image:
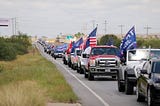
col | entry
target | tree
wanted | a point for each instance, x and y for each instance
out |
(78, 35)
(105, 39)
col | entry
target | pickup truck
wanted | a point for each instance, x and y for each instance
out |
(128, 73)
(102, 61)
(74, 58)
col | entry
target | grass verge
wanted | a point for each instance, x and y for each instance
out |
(32, 79)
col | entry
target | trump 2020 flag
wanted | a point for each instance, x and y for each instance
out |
(129, 41)
(91, 39)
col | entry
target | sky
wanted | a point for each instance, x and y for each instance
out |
(55, 17)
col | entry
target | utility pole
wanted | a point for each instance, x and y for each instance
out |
(12, 26)
(15, 27)
(105, 27)
(93, 24)
(147, 28)
(121, 26)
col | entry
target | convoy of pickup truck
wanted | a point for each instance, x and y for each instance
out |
(140, 69)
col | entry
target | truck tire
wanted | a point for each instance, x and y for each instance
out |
(121, 87)
(69, 64)
(140, 98)
(85, 74)
(90, 76)
(128, 87)
(81, 71)
(150, 101)
(78, 70)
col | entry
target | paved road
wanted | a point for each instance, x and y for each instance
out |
(101, 92)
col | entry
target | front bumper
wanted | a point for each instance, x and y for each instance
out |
(106, 71)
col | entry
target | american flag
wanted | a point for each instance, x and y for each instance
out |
(91, 39)
(4, 22)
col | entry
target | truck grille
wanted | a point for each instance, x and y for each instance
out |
(107, 62)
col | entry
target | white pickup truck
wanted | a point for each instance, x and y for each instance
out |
(128, 73)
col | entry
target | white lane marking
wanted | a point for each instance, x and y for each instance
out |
(105, 103)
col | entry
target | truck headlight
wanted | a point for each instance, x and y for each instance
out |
(92, 63)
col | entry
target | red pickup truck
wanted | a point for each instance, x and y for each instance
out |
(102, 61)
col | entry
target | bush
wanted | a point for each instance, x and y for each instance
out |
(13, 46)
(7, 51)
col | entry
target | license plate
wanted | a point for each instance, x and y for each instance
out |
(107, 70)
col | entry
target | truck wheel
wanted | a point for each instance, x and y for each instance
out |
(85, 74)
(90, 76)
(69, 64)
(81, 71)
(150, 101)
(128, 87)
(121, 87)
(78, 70)
(140, 98)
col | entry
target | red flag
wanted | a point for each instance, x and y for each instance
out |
(69, 48)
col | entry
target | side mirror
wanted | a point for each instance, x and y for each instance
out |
(84, 55)
(79, 54)
(143, 71)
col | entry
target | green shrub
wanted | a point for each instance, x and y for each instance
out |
(7, 52)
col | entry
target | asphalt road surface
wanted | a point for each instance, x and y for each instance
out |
(101, 92)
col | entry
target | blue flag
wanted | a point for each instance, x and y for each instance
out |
(78, 43)
(61, 47)
(91, 39)
(129, 41)
(72, 49)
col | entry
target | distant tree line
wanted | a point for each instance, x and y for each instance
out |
(141, 42)
(13, 46)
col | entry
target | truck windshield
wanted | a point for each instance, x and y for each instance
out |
(156, 67)
(143, 54)
(78, 52)
(104, 51)
(58, 51)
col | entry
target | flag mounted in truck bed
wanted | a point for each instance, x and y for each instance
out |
(91, 39)
(129, 41)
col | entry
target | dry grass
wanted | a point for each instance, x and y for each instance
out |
(25, 93)
(36, 71)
